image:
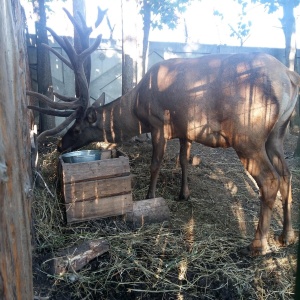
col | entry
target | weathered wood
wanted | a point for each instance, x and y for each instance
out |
(148, 211)
(99, 208)
(97, 189)
(76, 257)
(100, 169)
(15, 165)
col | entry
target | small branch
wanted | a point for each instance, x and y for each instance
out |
(101, 15)
(46, 186)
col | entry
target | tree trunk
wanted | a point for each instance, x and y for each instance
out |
(44, 76)
(146, 31)
(129, 45)
(15, 167)
(288, 22)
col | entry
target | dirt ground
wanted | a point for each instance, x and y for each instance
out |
(195, 256)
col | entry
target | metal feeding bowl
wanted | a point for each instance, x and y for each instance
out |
(81, 156)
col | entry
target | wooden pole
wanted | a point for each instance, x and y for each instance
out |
(15, 165)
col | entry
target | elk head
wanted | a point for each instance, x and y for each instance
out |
(83, 131)
(74, 108)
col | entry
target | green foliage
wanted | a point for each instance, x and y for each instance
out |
(48, 5)
(241, 29)
(270, 5)
(165, 12)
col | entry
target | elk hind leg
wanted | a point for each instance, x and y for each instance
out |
(275, 153)
(261, 169)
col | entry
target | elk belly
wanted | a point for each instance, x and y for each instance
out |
(214, 139)
(207, 135)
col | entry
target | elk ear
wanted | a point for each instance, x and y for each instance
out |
(91, 115)
(100, 101)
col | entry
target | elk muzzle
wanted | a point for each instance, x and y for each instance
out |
(59, 146)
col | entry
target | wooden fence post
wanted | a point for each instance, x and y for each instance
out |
(15, 165)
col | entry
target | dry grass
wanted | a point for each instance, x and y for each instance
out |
(195, 257)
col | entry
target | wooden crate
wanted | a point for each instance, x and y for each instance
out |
(97, 189)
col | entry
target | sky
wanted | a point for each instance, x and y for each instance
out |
(202, 26)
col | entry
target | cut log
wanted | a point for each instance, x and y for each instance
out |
(75, 258)
(148, 211)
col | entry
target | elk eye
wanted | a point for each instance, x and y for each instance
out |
(76, 131)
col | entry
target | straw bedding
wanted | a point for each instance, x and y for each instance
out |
(195, 256)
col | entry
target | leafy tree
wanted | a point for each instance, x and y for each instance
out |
(156, 14)
(288, 22)
(240, 30)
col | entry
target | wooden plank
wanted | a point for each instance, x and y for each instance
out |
(98, 189)
(94, 170)
(74, 258)
(107, 207)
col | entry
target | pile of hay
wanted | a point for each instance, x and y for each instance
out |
(196, 256)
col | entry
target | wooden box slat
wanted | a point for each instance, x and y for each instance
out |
(97, 189)
(99, 208)
(94, 170)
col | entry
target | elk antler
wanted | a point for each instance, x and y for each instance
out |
(71, 107)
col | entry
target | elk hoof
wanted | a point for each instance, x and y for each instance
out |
(150, 196)
(286, 238)
(184, 194)
(183, 197)
(256, 248)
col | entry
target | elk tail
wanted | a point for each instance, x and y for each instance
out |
(294, 77)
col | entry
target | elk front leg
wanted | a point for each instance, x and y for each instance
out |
(184, 156)
(158, 151)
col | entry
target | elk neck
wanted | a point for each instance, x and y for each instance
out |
(117, 119)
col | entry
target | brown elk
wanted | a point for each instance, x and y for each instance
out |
(243, 101)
